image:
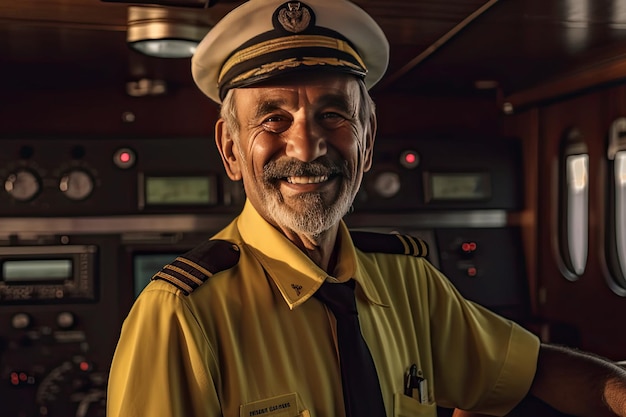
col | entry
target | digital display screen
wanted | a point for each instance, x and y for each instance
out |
(459, 186)
(146, 265)
(36, 270)
(180, 190)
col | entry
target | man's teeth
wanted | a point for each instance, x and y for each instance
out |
(307, 180)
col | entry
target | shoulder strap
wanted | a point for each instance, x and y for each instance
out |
(189, 271)
(393, 243)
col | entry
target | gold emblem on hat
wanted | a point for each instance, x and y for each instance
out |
(295, 17)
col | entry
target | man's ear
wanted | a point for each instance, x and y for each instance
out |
(227, 149)
(370, 136)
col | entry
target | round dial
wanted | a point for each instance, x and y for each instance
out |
(76, 185)
(23, 185)
(387, 184)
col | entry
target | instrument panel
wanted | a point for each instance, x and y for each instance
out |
(85, 222)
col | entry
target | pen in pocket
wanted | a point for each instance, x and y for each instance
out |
(414, 381)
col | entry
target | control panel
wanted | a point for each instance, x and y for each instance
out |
(487, 266)
(427, 173)
(60, 315)
(84, 223)
(77, 176)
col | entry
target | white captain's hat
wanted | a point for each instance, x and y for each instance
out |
(264, 39)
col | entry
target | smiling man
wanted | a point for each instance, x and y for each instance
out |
(301, 148)
(285, 312)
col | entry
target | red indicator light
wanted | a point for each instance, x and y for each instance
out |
(15, 379)
(124, 157)
(84, 366)
(23, 377)
(472, 271)
(468, 247)
(409, 159)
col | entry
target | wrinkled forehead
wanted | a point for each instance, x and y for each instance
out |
(320, 89)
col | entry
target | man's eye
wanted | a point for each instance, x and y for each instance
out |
(273, 119)
(331, 119)
(331, 115)
(276, 124)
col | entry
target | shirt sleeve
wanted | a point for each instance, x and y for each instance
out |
(485, 363)
(161, 363)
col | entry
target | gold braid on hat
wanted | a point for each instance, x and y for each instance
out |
(291, 42)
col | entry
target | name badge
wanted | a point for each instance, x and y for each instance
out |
(281, 406)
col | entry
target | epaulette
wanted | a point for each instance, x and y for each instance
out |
(389, 243)
(187, 272)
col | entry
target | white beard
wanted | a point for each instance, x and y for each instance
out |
(313, 216)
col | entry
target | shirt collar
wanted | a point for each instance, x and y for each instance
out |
(296, 276)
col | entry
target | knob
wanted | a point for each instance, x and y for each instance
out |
(65, 320)
(23, 185)
(76, 185)
(387, 184)
(20, 321)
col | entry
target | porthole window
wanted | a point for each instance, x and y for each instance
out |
(573, 207)
(620, 208)
(616, 207)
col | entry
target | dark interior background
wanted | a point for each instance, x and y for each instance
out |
(521, 71)
(437, 47)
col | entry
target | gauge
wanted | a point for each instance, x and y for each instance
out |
(387, 184)
(23, 185)
(72, 389)
(76, 185)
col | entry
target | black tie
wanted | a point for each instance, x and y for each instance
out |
(361, 388)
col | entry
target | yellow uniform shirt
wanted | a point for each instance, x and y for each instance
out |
(252, 341)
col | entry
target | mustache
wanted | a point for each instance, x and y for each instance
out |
(283, 168)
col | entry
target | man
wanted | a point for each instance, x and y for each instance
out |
(245, 324)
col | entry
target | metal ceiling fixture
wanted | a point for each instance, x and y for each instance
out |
(166, 32)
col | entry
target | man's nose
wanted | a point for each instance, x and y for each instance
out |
(306, 142)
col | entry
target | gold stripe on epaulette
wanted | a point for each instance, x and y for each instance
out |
(424, 246)
(175, 281)
(420, 249)
(195, 266)
(407, 249)
(415, 250)
(413, 246)
(185, 273)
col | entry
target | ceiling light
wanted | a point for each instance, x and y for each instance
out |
(166, 32)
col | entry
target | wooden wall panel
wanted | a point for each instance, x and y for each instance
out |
(400, 114)
(184, 112)
(587, 305)
(525, 126)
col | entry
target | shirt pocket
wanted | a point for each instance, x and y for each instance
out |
(405, 406)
